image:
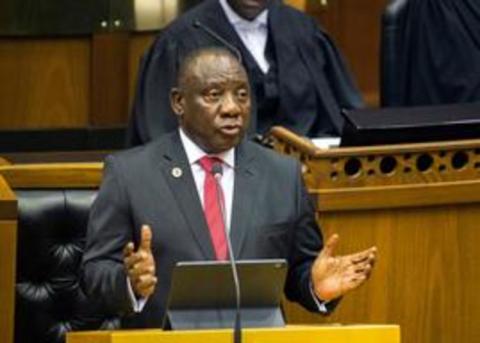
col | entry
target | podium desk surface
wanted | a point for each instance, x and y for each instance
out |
(289, 334)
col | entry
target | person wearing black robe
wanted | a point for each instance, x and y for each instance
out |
(437, 53)
(304, 90)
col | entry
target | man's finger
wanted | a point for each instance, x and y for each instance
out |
(146, 238)
(146, 281)
(365, 267)
(330, 245)
(128, 249)
(368, 254)
(140, 269)
(131, 260)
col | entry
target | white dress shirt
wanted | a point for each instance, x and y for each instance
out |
(253, 33)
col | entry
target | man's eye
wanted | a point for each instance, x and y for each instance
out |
(213, 94)
(242, 94)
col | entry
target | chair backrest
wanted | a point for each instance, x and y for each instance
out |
(391, 52)
(53, 206)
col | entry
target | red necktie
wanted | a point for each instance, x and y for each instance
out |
(211, 207)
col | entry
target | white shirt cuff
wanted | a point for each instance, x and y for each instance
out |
(137, 304)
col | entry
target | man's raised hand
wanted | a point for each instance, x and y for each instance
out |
(333, 276)
(140, 265)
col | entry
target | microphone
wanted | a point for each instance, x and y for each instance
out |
(198, 25)
(217, 171)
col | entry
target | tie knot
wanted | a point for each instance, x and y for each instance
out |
(207, 162)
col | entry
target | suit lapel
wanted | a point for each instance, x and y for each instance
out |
(178, 175)
(246, 183)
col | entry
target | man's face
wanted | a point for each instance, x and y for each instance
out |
(213, 102)
(248, 9)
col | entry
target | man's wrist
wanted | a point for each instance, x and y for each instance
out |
(321, 304)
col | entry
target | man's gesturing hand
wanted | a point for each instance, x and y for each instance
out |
(140, 265)
(333, 276)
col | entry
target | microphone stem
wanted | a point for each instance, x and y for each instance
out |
(237, 328)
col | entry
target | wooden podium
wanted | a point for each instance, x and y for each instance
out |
(290, 334)
(420, 205)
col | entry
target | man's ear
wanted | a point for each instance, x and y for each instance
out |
(176, 101)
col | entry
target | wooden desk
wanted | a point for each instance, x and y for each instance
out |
(303, 334)
(420, 205)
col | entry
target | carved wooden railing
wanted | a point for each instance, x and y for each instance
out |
(449, 171)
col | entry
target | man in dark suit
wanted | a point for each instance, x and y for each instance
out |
(153, 198)
(297, 76)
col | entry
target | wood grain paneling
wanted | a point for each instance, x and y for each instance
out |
(44, 83)
(109, 92)
(426, 278)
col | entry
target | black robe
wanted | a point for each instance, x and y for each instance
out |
(312, 82)
(440, 44)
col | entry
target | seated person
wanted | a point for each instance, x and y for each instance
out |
(297, 77)
(155, 207)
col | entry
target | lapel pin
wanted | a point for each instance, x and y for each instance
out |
(177, 172)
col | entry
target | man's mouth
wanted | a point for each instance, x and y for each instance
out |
(231, 130)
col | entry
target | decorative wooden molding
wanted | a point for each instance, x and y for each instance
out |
(350, 178)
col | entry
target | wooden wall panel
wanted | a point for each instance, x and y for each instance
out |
(109, 92)
(44, 83)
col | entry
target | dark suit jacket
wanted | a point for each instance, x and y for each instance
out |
(313, 81)
(272, 217)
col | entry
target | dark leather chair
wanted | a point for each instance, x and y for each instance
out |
(391, 58)
(52, 221)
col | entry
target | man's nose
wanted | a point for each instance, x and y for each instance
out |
(230, 105)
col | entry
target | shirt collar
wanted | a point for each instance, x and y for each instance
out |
(237, 21)
(195, 153)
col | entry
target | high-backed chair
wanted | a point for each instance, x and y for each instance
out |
(48, 210)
